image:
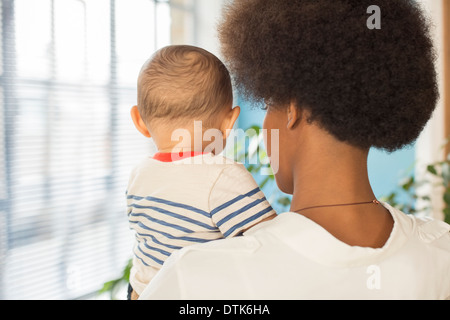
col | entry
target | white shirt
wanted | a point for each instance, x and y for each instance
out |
(292, 257)
(174, 204)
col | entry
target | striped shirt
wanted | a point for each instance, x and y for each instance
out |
(174, 204)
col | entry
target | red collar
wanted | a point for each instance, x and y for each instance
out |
(170, 157)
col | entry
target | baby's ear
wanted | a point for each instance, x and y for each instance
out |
(230, 120)
(138, 122)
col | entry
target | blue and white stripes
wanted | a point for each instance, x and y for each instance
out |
(173, 205)
(229, 215)
(163, 226)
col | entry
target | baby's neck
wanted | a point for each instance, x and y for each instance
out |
(195, 139)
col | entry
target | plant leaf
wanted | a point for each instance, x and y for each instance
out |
(432, 169)
(447, 197)
(284, 201)
(408, 184)
(447, 214)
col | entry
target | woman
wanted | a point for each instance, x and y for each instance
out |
(334, 88)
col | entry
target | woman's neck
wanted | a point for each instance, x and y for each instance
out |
(335, 173)
(333, 176)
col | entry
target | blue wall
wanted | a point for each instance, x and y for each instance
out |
(386, 171)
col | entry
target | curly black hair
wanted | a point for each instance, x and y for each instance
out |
(367, 87)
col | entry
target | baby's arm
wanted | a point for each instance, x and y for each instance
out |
(236, 202)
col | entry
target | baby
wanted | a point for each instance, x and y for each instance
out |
(186, 193)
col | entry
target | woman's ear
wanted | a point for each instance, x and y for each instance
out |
(229, 121)
(138, 122)
(293, 116)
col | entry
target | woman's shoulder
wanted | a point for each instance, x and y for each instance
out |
(426, 229)
(430, 230)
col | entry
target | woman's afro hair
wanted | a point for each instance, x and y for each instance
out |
(367, 87)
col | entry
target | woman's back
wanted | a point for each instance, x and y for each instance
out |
(292, 257)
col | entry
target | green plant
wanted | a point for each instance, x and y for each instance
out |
(438, 175)
(115, 285)
(441, 170)
(255, 159)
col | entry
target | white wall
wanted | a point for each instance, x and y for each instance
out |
(429, 145)
(208, 14)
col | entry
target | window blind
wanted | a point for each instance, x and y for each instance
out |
(68, 73)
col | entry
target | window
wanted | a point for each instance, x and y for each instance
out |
(67, 144)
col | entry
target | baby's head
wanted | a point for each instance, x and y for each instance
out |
(181, 84)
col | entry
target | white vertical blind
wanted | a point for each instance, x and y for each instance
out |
(67, 144)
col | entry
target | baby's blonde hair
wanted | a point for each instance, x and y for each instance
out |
(183, 82)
